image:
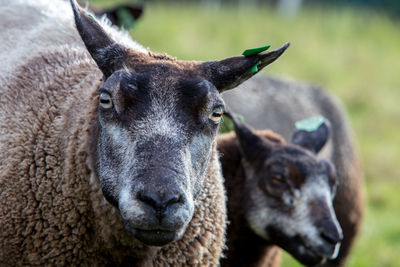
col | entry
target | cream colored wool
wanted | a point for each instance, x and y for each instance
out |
(51, 206)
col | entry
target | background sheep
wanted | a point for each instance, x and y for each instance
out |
(278, 194)
(277, 104)
(99, 171)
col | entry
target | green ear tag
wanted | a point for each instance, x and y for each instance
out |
(311, 124)
(90, 15)
(255, 51)
(255, 67)
(240, 117)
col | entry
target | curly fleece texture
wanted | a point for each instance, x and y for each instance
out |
(51, 206)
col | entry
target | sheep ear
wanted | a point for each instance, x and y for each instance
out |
(229, 73)
(313, 140)
(108, 55)
(251, 145)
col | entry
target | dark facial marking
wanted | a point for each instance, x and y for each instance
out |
(198, 98)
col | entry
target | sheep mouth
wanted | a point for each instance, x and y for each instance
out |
(155, 237)
(297, 247)
(312, 255)
(307, 256)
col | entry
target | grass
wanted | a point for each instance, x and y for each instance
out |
(355, 55)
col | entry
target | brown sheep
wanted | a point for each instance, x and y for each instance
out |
(107, 152)
(278, 194)
(277, 104)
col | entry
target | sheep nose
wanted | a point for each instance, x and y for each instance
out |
(158, 203)
(332, 237)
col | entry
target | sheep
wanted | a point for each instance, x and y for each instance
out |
(108, 152)
(277, 104)
(278, 194)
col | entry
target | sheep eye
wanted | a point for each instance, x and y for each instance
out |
(277, 179)
(216, 115)
(106, 101)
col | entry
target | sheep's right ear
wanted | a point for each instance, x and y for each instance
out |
(230, 72)
(313, 140)
(251, 145)
(108, 55)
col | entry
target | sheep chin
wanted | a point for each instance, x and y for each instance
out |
(156, 237)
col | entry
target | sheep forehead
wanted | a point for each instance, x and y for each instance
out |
(315, 186)
(159, 107)
(160, 118)
(314, 174)
(163, 97)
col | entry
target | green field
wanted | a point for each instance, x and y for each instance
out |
(355, 55)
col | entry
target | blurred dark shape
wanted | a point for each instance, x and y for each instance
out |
(124, 15)
(390, 7)
(289, 8)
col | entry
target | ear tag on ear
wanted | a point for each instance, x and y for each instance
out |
(311, 124)
(255, 51)
(240, 117)
(255, 67)
(90, 15)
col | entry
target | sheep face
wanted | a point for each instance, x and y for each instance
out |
(154, 146)
(157, 122)
(290, 193)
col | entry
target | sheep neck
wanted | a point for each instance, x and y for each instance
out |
(245, 248)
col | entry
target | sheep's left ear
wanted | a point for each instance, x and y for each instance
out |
(251, 145)
(108, 54)
(229, 73)
(313, 138)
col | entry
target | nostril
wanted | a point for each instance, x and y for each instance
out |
(174, 200)
(149, 201)
(157, 204)
(332, 238)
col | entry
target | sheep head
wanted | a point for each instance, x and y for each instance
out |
(289, 192)
(157, 121)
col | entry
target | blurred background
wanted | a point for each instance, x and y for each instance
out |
(350, 47)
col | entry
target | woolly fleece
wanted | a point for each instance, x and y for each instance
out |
(51, 205)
